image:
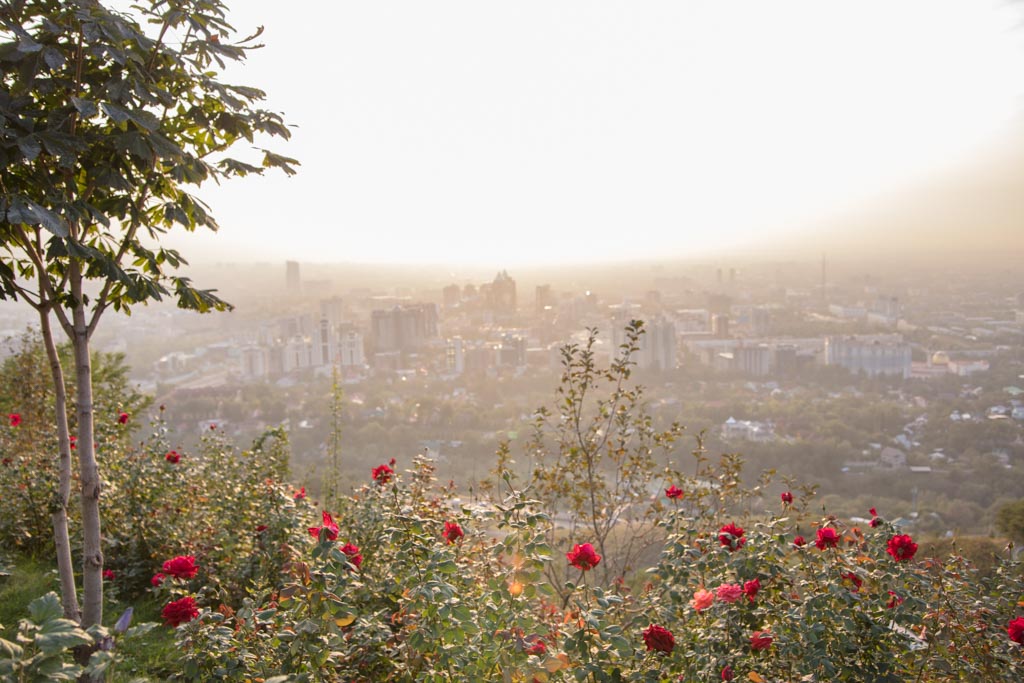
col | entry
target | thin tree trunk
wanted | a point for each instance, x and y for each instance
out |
(62, 541)
(92, 556)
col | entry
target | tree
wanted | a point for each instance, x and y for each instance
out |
(1010, 520)
(108, 121)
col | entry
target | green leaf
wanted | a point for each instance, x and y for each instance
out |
(9, 650)
(60, 634)
(45, 607)
(53, 58)
(86, 108)
(116, 113)
(30, 147)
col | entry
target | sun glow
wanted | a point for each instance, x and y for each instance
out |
(537, 132)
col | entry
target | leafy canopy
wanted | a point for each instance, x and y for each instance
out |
(108, 122)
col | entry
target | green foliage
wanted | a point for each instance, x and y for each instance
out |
(44, 645)
(109, 116)
(597, 460)
(231, 509)
(1010, 520)
(28, 452)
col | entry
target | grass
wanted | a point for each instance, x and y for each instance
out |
(153, 656)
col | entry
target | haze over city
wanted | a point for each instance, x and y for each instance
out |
(583, 132)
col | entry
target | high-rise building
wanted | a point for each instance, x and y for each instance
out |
(451, 296)
(293, 284)
(454, 357)
(327, 348)
(403, 328)
(657, 346)
(332, 310)
(350, 346)
(544, 299)
(501, 296)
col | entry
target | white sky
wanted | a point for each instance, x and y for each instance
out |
(550, 131)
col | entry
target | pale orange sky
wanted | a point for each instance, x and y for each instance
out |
(533, 131)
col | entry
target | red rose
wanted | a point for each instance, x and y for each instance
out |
(659, 638)
(181, 567)
(799, 541)
(901, 547)
(15, 419)
(873, 512)
(731, 537)
(261, 528)
(583, 557)
(727, 674)
(329, 526)
(157, 579)
(750, 589)
(382, 474)
(827, 538)
(853, 579)
(452, 532)
(352, 552)
(787, 498)
(108, 575)
(1015, 629)
(180, 612)
(894, 600)
(172, 457)
(761, 640)
(123, 418)
(537, 648)
(875, 521)
(673, 492)
(74, 442)
(300, 494)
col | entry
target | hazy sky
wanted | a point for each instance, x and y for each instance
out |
(544, 131)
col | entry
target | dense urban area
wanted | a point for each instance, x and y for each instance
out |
(905, 382)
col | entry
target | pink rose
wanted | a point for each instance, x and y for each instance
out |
(702, 599)
(729, 592)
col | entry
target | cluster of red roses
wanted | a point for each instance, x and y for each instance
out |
(382, 473)
(183, 610)
(660, 639)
